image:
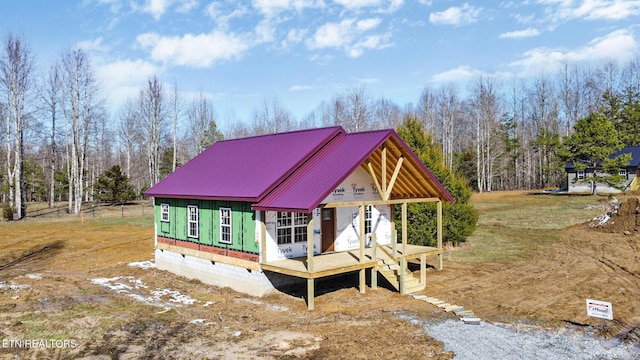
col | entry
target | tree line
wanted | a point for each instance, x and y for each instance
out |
(499, 134)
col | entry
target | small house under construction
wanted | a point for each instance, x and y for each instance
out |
(262, 212)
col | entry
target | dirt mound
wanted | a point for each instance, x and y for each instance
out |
(621, 218)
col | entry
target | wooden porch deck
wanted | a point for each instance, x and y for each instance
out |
(333, 263)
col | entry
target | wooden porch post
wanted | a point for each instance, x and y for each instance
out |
(310, 281)
(263, 236)
(363, 275)
(423, 269)
(404, 229)
(403, 259)
(374, 272)
(440, 234)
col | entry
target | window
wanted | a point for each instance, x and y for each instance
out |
(284, 228)
(300, 227)
(164, 212)
(291, 227)
(580, 174)
(368, 215)
(192, 220)
(225, 226)
(622, 172)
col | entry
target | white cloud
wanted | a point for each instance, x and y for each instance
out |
(356, 4)
(200, 50)
(222, 17)
(466, 14)
(460, 74)
(619, 44)
(592, 9)
(301, 88)
(271, 8)
(156, 7)
(530, 32)
(382, 6)
(123, 79)
(92, 45)
(368, 24)
(187, 5)
(294, 36)
(350, 36)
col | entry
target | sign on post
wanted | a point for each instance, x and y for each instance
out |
(599, 309)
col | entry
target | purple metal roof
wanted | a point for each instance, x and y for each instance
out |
(315, 179)
(243, 169)
(291, 171)
(307, 187)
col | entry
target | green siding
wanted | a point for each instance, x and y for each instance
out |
(243, 223)
(249, 230)
(181, 219)
(206, 225)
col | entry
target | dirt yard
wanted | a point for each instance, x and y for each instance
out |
(72, 289)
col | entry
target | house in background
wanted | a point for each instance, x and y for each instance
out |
(578, 183)
(258, 213)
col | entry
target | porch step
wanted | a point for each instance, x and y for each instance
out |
(390, 270)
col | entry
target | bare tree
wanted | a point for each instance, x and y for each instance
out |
(272, 117)
(153, 115)
(486, 111)
(427, 109)
(176, 111)
(81, 106)
(16, 70)
(201, 116)
(571, 87)
(387, 114)
(449, 120)
(128, 131)
(358, 109)
(51, 97)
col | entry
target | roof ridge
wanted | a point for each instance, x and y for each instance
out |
(337, 127)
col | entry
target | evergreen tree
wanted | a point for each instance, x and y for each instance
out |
(459, 218)
(593, 142)
(114, 187)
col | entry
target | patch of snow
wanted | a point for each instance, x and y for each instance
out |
(138, 290)
(600, 220)
(34, 276)
(276, 307)
(13, 286)
(175, 296)
(197, 321)
(148, 264)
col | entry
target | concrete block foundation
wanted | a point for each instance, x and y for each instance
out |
(256, 283)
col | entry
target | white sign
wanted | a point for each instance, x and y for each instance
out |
(599, 309)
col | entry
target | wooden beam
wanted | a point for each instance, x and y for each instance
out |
(375, 179)
(250, 265)
(381, 202)
(423, 269)
(374, 272)
(439, 234)
(363, 278)
(263, 236)
(310, 243)
(404, 229)
(384, 168)
(311, 294)
(396, 171)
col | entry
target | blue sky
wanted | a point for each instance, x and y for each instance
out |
(301, 52)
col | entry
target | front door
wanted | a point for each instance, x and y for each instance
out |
(328, 229)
